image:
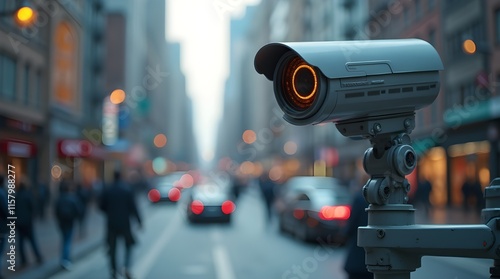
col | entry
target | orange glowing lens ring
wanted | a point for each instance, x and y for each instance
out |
(294, 81)
(299, 84)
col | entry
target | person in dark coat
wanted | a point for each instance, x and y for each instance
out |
(84, 194)
(355, 259)
(4, 213)
(267, 188)
(118, 204)
(68, 210)
(25, 210)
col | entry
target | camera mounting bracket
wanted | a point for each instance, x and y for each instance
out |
(393, 243)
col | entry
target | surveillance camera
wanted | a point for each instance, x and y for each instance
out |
(341, 81)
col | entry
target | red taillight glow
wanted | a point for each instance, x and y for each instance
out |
(228, 207)
(174, 194)
(298, 214)
(340, 212)
(154, 195)
(197, 207)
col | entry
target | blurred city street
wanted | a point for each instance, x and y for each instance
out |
(170, 247)
(281, 120)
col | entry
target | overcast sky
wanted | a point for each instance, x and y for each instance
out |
(202, 28)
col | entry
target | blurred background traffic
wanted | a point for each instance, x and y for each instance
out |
(91, 87)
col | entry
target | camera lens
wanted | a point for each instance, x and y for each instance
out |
(300, 83)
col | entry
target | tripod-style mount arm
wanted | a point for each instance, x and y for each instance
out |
(393, 243)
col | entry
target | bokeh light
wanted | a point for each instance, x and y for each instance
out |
(249, 137)
(469, 46)
(187, 180)
(290, 148)
(159, 165)
(25, 16)
(160, 140)
(56, 172)
(276, 173)
(117, 96)
(174, 194)
(247, 167)
(154, 195)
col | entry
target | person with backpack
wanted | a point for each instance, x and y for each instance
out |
(68, 209)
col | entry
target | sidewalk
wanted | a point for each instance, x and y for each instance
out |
(49, 240)
(447, 215)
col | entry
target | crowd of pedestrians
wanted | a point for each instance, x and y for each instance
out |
(69, 205)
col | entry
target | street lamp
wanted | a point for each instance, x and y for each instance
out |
(24, 15)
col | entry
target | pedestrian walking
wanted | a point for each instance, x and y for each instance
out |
(3, 222)
(423, 194)
(67, 210)
(25, 211)
(84, 195)
(118, 204)
(43, 199)
(267, 188)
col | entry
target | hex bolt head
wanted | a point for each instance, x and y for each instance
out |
(380, 233)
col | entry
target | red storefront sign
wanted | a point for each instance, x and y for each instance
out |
(18, 148)
(74, 148)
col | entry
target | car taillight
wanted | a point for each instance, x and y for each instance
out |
(228, 207)
(339, 212)
(154, 195)
(298, 213)
(197, 207)
(174, 194)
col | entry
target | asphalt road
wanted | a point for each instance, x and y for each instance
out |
(248, 248)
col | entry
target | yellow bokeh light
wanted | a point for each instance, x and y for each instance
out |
(25, 16)
(160, 140)
(56, 172)
(117, 96)
(249, 137)
(469, 46)
(247, 167)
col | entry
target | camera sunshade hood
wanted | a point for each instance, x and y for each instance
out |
(345, 59)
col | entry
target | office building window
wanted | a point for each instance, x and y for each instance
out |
(7, 77)
(26, 86)
(37, 83)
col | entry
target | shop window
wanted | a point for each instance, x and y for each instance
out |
(468, 162)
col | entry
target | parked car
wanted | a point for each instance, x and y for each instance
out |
(314, 207)
(210, 202)
(166, 188)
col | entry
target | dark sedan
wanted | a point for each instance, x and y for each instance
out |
(209, 202)
(314, 207)
(167, 188)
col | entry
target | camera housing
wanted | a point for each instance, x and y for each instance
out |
(345, 81)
